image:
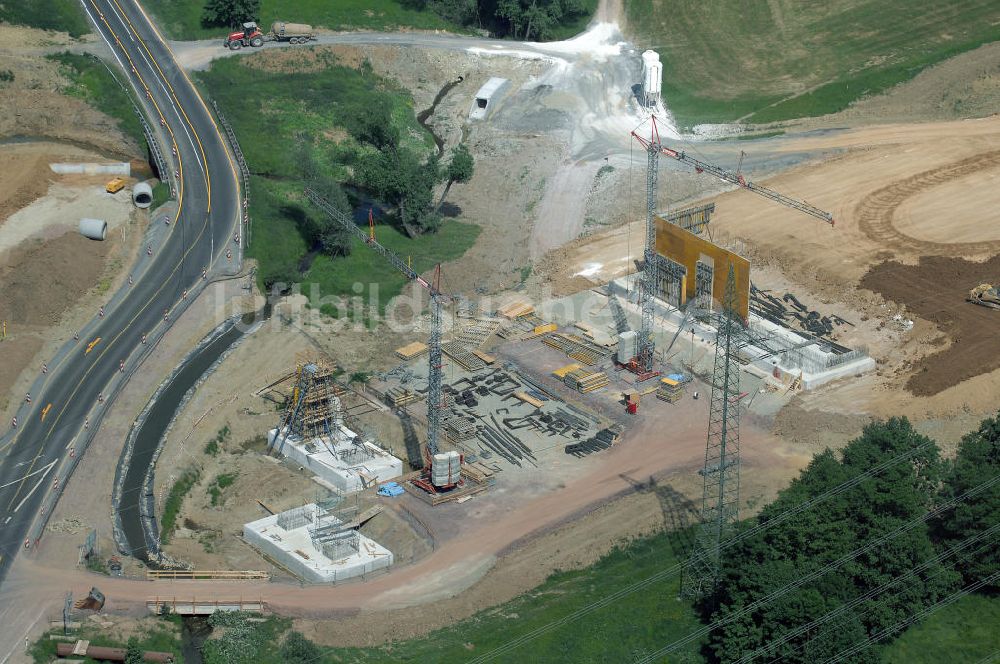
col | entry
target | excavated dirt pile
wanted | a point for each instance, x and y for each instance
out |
(935, 289)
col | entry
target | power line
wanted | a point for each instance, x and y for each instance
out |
(915, 617)
(812, 576)
(802, 629)
(666, 573)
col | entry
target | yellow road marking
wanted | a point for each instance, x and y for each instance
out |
(180, 203)
(45, 411)
(91, 345)
(180, 107)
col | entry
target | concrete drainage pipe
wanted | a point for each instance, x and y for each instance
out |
(142, 195)
(95, 229)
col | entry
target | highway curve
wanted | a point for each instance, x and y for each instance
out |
(61, 416)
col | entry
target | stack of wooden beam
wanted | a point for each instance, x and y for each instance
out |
(400, 396)
(515, 310)
(586, 381)
(410, 351)
(669, 390)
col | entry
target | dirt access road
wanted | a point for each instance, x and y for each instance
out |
(451, 570)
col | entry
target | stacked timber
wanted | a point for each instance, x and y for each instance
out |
(516, 310)
(410, 351)
(585, 381)
(400, 396)
(669, 390)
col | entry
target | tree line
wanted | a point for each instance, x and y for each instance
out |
(517, 19)
(936, 557)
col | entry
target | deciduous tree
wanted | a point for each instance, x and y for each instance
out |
(229, 13)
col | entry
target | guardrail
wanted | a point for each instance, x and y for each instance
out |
(202, 607)
(244, 171)
(221, 574)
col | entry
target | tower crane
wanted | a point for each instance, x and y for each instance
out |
(642, 365)
(435, 399)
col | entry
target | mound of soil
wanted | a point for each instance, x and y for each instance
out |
(41, 280)
(935, 289)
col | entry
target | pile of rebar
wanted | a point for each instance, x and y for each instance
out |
(602, 440)
(461, 354)
(577, 348)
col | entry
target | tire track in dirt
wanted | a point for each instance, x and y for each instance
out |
(876, 211)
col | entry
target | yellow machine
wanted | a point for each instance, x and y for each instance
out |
(115, 186)
(985, 295)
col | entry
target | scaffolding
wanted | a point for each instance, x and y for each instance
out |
(313, 409)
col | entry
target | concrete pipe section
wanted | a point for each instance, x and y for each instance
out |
(142, 195)
(95, 229)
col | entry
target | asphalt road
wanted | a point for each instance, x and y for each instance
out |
(77, 388)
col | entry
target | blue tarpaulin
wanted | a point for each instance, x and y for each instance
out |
(390, 489)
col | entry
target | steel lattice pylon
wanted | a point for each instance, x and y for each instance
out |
(721, 489)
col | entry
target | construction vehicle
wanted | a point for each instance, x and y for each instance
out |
(114, 186)
(251, 35)
(985, 295)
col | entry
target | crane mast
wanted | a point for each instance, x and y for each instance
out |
(642, 364)
(435, 401)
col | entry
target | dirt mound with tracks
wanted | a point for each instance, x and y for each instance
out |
(935, 289)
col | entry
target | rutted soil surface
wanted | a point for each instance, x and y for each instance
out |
(935, 290)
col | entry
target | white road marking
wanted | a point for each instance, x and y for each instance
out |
(28, 475)
(34, 488)
(154, 72)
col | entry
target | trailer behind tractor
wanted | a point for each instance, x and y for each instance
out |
(251, 35)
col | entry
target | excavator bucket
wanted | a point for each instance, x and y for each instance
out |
(985, 295)
(94, 601)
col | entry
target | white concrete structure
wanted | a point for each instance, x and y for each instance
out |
(488, 97)
(95, 229)
(342, 460)
(142, 195)
(122, 168)
(306, 542)
(652, 77)
(813, 365)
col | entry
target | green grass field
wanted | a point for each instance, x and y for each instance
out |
(94, 84)
(777, 60)
(966, 631)
(295, 117)
(632, 626)
(181, 19)
(63, 15)
(163, 636)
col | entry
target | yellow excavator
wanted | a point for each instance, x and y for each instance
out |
(985, 295)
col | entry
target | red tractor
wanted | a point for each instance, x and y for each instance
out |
(250, 35)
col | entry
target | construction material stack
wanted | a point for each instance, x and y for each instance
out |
(585, 381)
(446, 471)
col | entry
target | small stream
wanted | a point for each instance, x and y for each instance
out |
(195, 630)
(425, 115)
